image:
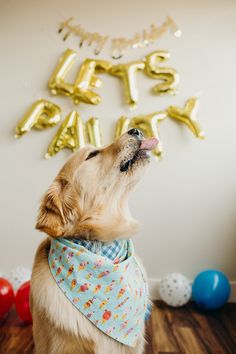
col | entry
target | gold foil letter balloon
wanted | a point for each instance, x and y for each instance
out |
(42, 114)
(169, 76)
(149, 125)
(127, 72)
(94, 132)
(70, 135)
(187, 115)
(56, 82)
(80, 91)
(122, 126)
(86, 79)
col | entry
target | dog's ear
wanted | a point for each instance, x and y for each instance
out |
(56, 207)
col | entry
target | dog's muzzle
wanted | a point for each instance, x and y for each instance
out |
(143, 146)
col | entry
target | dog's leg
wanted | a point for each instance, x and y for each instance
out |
(55, 341)
(40, 334)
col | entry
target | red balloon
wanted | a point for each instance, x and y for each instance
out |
(6, 296)
(22, 302)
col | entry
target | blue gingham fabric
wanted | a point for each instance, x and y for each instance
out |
(116, 251)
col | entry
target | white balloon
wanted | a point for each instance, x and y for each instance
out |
(18, 276)
(175, 289)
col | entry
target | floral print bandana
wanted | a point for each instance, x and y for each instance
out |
(110, 292)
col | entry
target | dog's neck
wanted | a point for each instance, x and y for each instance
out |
(113, 250)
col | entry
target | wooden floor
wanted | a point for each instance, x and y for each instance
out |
(185, 330)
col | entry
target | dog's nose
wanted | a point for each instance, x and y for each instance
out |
(135, 132)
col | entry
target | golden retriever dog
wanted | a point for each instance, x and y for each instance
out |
(87, 200)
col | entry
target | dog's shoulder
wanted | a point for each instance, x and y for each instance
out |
(47, 298)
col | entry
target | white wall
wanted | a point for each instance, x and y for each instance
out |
(186, 203)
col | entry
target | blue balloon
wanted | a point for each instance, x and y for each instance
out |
(211, 289)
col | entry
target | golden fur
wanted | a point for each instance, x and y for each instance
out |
(88, 199)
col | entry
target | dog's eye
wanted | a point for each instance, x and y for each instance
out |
(92, 154)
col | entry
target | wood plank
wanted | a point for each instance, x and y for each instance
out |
(168, 353)
(204, 331)
(228, 317)
(180, 316)
(148, 337)
(219, 329)
(163, 339)
(185, 330)
(188, 341)
(15, 336)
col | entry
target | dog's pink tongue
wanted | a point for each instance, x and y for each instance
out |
(148, 144)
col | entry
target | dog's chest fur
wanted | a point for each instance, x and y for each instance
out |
(48, 299)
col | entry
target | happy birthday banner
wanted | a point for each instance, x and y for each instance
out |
(74, 133)
(121, 44)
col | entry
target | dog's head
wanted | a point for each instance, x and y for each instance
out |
(88, 198)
